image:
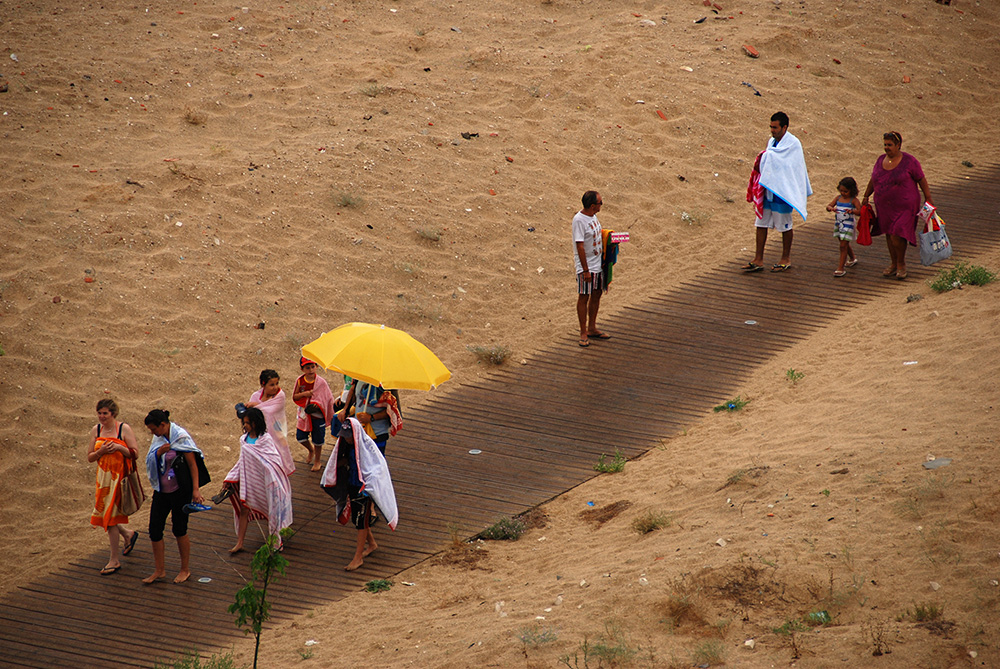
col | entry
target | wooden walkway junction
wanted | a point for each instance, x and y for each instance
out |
(539, 427)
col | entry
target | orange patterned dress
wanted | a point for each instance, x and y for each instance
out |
(111, 469)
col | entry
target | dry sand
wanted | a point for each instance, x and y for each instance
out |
(208, 169)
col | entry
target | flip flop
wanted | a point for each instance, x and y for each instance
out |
(131, 544)
(598, 335)
(900, 275)
(110, 570)
(889, 271)
(194, 508)
(752, 267)
(840, 273)
(781, 267)
(584, 343)
(851, 263)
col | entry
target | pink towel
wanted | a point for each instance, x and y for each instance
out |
(274, 415)
(755, 192)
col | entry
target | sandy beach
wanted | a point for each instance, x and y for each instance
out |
(178, 177)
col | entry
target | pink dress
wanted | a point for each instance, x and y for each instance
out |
(897, 197)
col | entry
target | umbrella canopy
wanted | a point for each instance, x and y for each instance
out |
(379, 355)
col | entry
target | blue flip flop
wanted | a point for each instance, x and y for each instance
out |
(194, 508)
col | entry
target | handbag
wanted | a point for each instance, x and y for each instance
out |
(934, 243)
(866, 222)
(131, 490)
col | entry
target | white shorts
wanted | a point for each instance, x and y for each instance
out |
(775, 221)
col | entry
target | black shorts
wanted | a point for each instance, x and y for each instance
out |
(172, 504)
(361, 505)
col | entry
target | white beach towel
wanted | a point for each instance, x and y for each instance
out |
(374, 472)
(783, 172)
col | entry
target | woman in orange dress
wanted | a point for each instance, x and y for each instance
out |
(113, 448)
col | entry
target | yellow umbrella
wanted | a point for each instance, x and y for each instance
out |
(379, 355)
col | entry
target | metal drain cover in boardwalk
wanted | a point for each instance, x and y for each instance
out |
(539, 429)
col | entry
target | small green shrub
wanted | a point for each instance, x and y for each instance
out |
(962, 274)
(709, 653)
(923, 613)
(536, 636)
(494, 355)
(504, 529)
(192, 660)
(650, 521)
(350, 200)
(613, 647)
(794, 376)
(736, 404)
(378, 585)
(373, 90)
(616, 465)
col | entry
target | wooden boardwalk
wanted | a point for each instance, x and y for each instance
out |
(539, 426)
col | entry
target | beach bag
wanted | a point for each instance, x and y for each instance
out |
(934, 243)
(866, 222)
(183, 473)
(131, 490)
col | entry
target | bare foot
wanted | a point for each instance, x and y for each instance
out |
(355, 563)
(156, 576)
(236, 549)
(309, 458)
(369, 549)
(182, 576)
(315, 468)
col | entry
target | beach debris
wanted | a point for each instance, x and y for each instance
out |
(821, 617)
(642, 102)
(469, 135)
(647, 22)
(408, 583)
(910, 362)
(204, 579)
(967, 163)
(680, 177)
(541, 270)
(935, 586)
(750, 86)
(721, 542)
(914, 297)
(686, 68)
(56, 300)
(4, 87)
(259, 326)
(311, 642)
(701, 20)
(88, 279)
(455, 29)
(836, 61)
(13, 57)
(474, 451)
(750, 643)
(840, 471)
(508, 159)
(750, 51)
(906, 78)
(583, 583)
(643, 580)
(937, 463)
(661, 114)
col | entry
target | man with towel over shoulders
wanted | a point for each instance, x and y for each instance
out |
(779, 183)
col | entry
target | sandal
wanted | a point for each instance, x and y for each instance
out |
(584, 343)
(781, 267)
(840, 273)
(752, 267)
(851, 263)
(889, 271)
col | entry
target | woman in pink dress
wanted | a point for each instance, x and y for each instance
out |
(894, 181)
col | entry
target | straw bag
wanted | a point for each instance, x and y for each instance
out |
(934, 243)
(131, 488)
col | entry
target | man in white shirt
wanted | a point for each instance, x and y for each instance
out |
(589, 248)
